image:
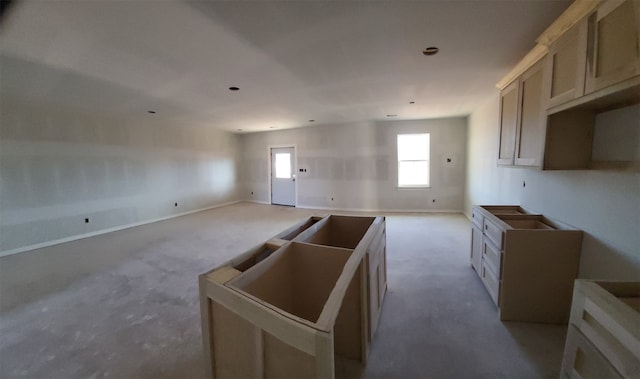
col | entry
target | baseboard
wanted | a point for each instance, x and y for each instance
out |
(109, 230)
(381, 210)
(256, 202)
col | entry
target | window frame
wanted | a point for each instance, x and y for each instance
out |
(398, 160)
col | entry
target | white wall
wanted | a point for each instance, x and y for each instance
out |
(58, 167)
(356, 165)
(604, 204)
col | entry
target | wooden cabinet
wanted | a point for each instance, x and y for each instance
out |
(288, 307)
(508, 123)
(603, 339)
(527, 263)
(591, 66)
(565, 66)
(522, 120)
(613, 44)
(531, 124)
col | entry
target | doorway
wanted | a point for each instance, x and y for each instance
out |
(283, 177)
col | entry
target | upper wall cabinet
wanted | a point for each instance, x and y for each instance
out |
(522, 120)
(531, 126)
(613, 53)
(508, 123)
(591, 65)
(566, 66)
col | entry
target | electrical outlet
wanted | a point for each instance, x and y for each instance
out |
(175, 204)
(251, 193)
(86, 220)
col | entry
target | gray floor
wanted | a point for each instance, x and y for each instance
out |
(125, 304)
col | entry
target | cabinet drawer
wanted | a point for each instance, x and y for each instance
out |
(492, 256)
(491, 281)
(477, 217)
(493, 232)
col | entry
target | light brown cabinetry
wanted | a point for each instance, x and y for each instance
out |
(603, 339)
(592, 66)
(289, 307)
(613, 44)
(522, 120)
(528, 263)
(565, 65)
(508, 123)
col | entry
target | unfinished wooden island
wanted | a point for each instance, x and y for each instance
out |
(290, 306)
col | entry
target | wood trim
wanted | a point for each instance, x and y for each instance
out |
(532, 57)
(570, 17)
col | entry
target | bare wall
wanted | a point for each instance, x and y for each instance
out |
(356, 165)
(604, 204)
(60, 166)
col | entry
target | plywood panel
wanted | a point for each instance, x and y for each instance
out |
(236, 344)
(283, 361)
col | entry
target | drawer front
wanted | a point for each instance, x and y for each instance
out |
(492, 256)
(491, 282)
(493, 232)
(477, 217)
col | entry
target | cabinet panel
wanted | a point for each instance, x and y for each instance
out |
(491, 282)
(583, 360)
(492, 256)
(508, 123)
(476, 248)
(613, 44)
(530, 133)
(493, 232)
(566, 66)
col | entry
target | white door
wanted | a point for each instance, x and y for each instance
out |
(283, 178)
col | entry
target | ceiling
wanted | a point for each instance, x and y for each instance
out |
(335, 62)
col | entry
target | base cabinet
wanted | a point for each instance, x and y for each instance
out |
(293, 305)
(527, 263)
(603, 339)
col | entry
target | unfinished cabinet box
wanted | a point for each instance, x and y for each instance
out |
(613, 44)
(603, 339)
(294, 312)
(565, 66)
(592, 66)
(508, 123)
(528, 263)
(522, 123)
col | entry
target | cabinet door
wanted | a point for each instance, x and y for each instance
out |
(476, 248)
(530, 133)
(508, 122)
(613, 44)
(566, 66)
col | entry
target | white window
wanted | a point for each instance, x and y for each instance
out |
(283, 165)
(413, 160)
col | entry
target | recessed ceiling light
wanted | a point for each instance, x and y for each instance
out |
(432, 50)
(234, 88)
(152, 112)
(392, 115)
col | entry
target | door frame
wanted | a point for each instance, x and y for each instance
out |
(294, 170)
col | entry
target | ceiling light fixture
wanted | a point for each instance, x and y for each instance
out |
(430, 50)
(234, 88)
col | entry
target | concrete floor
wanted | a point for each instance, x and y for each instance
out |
(125, 304)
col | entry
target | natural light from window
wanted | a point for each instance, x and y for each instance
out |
(413, 160)
(283, 165)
